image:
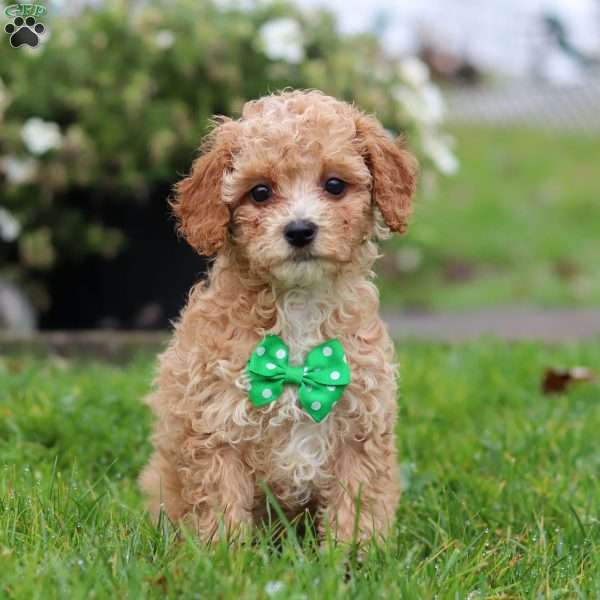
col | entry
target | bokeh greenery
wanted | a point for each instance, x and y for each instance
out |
(518, 225)
(129, 88)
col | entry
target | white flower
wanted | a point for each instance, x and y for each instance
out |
(438, 148)
(414, 71)
(19, 170)
(9, 226)
(243, 5)
(433, 101)
(273, 587)
(70, 7)
(408, 259)
(164, 39)
(282, 39)
(40, 136)
(425, 105)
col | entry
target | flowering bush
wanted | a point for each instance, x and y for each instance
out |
(111, 106)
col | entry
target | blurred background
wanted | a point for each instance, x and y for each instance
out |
(500, 100)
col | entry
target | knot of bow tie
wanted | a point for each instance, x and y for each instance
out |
(321, 380)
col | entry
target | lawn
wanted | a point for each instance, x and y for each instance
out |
(519, 224)
(502, 494)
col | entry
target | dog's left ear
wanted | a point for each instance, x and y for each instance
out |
(393, 169)
(202, 215)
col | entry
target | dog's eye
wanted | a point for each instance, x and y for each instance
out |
(261, 193)
(335, 186)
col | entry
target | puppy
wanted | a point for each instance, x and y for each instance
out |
(292, 199)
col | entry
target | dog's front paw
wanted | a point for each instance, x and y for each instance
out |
(211, 528)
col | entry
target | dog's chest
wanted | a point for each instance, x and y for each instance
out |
(302, 318)
(301, 454)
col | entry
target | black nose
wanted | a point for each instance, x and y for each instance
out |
(300, 233)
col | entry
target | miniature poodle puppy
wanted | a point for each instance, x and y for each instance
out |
(280, 372)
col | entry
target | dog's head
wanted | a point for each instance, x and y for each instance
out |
(293, 187)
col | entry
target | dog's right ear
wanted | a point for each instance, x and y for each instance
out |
(202, 215)
(393, 168)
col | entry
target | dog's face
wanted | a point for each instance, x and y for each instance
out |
(293, 186)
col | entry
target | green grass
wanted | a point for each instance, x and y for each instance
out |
(520, 224)
(502, 494)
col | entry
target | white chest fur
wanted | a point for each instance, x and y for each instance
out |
(300, 458)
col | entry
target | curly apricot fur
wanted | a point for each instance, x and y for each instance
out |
(214, 451)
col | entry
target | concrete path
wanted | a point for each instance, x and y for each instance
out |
(558, 325)
(561, 325)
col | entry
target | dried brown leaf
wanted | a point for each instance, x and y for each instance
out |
(558, 381)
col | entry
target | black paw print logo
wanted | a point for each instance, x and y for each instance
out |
(24, 32)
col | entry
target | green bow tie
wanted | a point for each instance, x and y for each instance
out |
(321, 380)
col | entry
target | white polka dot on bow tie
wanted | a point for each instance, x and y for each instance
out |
(267, 393)
(327, 351)
(306, 369)
(331, 388)
(335, 375)
(344, 358)
(316, 406)
(280, 353)
(271, 366)
(260, 350)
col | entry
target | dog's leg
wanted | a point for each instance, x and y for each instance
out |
(162, 486)
(219, 489)
(362, 499)
(212, 492)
